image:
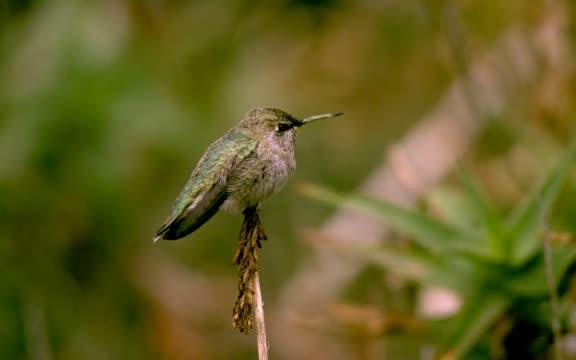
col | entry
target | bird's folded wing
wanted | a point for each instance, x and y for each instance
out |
(205, 191)
(202, 208)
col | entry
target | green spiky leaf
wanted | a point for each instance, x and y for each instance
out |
(420, 266)
(528, 220)
(532, 280)
(490, 221)
(474, 319)
(435, 236)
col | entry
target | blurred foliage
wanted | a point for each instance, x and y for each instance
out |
(106, 105)
(492, 262)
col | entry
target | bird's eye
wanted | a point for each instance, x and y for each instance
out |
(283, 127)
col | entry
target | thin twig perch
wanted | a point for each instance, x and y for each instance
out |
(249, 301)
(259, 319)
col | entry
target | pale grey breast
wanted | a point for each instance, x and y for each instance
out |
(263, 173)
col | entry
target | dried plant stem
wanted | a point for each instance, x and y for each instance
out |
(38, 344)
(249, 301)
(259, 319)
(554, 302)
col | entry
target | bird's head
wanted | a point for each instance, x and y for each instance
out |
(269, 120)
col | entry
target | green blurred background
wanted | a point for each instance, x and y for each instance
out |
(105, 106)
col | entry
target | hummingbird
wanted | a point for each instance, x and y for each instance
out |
(251, 162)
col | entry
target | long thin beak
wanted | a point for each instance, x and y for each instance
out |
(309, 119)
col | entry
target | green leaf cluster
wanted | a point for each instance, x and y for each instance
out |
(490, 261)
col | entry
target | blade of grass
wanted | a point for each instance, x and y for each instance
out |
(525, 223)
(428, 233)
(553, 298)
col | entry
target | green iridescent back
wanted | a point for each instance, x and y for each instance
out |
(206, 187)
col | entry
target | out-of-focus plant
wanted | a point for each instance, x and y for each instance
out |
(494, 263)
